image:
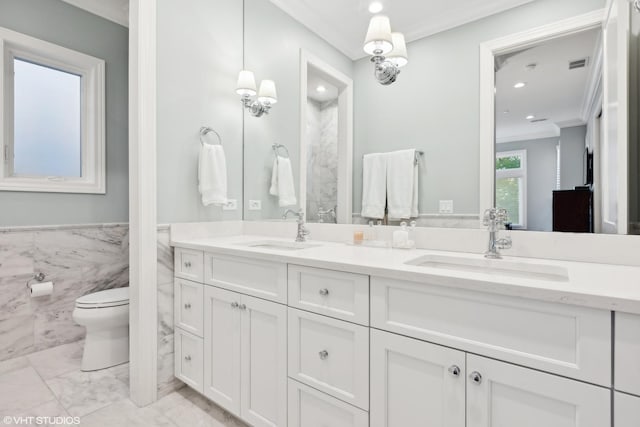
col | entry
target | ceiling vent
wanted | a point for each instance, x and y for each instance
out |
(538, 120)
(578, 63)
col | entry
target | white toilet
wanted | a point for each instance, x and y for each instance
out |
(105, 314)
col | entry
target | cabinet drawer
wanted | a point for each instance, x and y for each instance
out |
(309, 407)
(568, 340)
(263, 279)
(627, 351)
(188, 362)
(330, 355)
(332, 293)
(188, 299)
(188, 264)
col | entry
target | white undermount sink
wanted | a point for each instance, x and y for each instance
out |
(279, 245)
(498, 267)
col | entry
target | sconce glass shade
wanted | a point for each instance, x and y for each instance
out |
(398, 56)
(246, 84)
(268, 92)
(379, 40)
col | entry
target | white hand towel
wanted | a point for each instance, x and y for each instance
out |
(282, 182)
(402, 184)
(212, 175)
(374, 185)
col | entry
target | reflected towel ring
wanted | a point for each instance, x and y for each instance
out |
(206, 130)
(276, 147)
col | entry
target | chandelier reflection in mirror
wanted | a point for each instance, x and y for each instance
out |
(267, 95)
(388, 50)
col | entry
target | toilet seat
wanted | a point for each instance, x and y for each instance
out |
(104, 299)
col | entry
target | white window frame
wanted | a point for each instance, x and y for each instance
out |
(521, 172)
(92, 72)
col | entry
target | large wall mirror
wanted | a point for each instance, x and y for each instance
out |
(526, 105)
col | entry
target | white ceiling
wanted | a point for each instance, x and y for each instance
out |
(113, 10)
(343, 23)
(553, 92)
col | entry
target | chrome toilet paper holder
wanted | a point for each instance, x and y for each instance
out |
(38, 276)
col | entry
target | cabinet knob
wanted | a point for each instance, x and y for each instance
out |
(187, 305)
(476, 377)
(324, 354)
(324, 292)
(243, 307)
(187, 358)
(455, 370)
(187, 264)
(235, 305)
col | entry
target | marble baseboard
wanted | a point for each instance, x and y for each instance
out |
(78, 259)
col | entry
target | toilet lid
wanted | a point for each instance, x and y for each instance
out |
(106, 298)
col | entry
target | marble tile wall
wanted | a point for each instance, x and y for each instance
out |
(78, 259)
(166, 381)
(322, 160)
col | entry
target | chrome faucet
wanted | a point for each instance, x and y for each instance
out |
(494, 219)
(302, 230)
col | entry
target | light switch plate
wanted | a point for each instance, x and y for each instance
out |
(232, 205)
(255, 205)
(446, 206)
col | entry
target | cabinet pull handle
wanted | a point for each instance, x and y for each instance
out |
(187, 358)
(476, 377)
(324, 354)
(235, 305)
(455, 370)
(187, 305)
(243, 307)
(187, 264)
(324, 292)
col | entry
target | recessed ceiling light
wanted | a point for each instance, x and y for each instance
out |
(506, 112)
(531, 117)
(376, 7)
(519, 85)
(321, 89)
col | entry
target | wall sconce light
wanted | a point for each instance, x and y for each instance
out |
(388, 50)
(267, 95)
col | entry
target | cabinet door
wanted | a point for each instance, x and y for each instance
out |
(627, 410)
(414, 383)
(264, 362)
(627, 353)
(222, 348)
(504, 395)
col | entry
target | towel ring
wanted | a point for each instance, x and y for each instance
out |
(276, 147)
(206, 130)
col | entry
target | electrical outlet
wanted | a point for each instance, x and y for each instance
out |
(232, 205)
(255, 205)
(446, 206)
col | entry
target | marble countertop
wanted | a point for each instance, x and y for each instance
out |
(600, 286)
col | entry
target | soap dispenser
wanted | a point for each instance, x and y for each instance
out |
(401, 237)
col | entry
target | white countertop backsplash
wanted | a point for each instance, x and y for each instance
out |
(595, 278)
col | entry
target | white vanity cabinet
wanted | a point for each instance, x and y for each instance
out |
(626, 410)
(245, 342)
(627, 354)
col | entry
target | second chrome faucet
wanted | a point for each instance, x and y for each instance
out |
(303, 232)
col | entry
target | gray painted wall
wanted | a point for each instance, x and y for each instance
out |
(199, 57)
(541, 179)
(272, 51)
(73, 28)
(572, 146)
(434, 105)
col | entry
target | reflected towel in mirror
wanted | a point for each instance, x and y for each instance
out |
(282, 182)
(212, 175)
(402, 184)
(374, 187)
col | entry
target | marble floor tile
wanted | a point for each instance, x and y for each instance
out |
(48, 415)
(125, 413)
(16, 336)
(56, 361)
(121, 372)
(13, 364)
(187, 408)
(22, 389)
(81, 393)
